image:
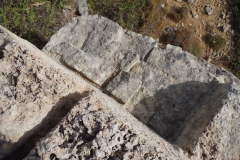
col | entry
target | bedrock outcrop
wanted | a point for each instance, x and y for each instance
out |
(42, 101)
(122, 96)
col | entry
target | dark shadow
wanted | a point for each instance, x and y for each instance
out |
(54, 116)
(1, 51)
(180, 113)
(205, 38)
(35, 38)
(2, 48)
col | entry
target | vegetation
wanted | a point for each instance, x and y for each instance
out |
(186, 39)
(235, 55)
(215, 42)
(125, 12)
(143, 16)
(195, 48)
(179, 14)
(34, 20)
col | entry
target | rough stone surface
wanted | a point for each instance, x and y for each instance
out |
(37, 93)
(31, 86)
(189, 102)
(168, 89)
(209, 9)
(82, 7)
(93, 131)
(192, 1)
(226, 28)
(125, 83)
(113, 47)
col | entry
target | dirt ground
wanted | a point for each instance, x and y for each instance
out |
(221, 17)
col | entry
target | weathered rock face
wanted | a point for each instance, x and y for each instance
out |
(93, 131)
(98, 47)
(190, 103)
(178, 95)
(37, 93)
(31, 87)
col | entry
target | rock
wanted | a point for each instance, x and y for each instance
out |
(111, 51)
(192, 1)
(179, 0)
(124, 82)
(209, 9)
(32, 85)
(223, 15)
(67, 141)
(82, 7)
(226, 28)
(163, 5)
(189, 102)
(38, 92)
(196, 16)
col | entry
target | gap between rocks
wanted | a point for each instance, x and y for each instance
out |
(54, 116)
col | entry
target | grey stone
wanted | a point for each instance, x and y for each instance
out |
(226, 28)
(105, 40)
(209, 9)
(191, 103)
(82, 7)
(123, 86)
(192, 1)
(74, 141)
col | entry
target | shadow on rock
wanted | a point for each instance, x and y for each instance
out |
(58, 111)
(169, 110)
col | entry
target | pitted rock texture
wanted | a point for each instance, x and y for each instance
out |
(31, 86)
(92, 131)
(189, 102)
(37, 93)
(166, 89)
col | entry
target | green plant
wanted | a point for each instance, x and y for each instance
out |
(195, 48)
(216, 42)
(125, 12)
(185, 39)
(31, 21)
(234, 64)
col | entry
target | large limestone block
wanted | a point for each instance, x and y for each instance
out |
(123, 86)
(190, 103)
(99, 129)
(182, 98)
(114, 47)
(36, 93)
(31, 86)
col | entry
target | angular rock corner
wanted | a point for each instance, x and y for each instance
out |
(97, 91)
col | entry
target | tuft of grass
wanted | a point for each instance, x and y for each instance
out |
(195, 48)
(152, 18)
(34, 20)
(234, 64)
(185, 39)
(143, 16)
(125, 12)
(216, 42)
(179, 14)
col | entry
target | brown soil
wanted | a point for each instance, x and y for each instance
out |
(198, 26)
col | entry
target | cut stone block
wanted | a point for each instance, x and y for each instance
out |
(98, 37)
(123, 86)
